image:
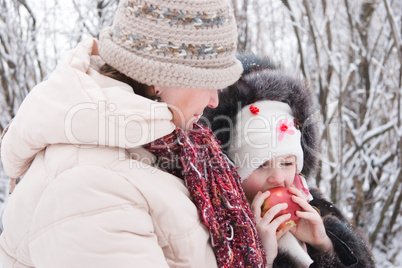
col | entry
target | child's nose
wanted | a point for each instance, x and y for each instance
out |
(275, 178)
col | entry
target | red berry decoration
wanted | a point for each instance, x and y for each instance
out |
(254, 110)
(284, 128)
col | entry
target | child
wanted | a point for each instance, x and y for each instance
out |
(263, 125)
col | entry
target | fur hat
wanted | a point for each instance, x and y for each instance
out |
(261, 84)
(187, 44)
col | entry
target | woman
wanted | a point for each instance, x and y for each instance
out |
(91, 143)
(264, 124)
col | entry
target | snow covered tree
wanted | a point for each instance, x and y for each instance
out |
(350, 52)
(351, 55)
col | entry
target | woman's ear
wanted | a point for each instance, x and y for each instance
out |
(155, 93)
(158, 90)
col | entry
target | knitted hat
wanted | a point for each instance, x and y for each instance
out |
(187, 43)
(264, 130)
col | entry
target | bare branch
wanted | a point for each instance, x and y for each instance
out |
(386, 206)
(302, 65)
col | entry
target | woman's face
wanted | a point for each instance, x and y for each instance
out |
(276, 172)
(187, 104)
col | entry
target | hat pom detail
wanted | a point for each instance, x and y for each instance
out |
(254, 110)
(283, 127)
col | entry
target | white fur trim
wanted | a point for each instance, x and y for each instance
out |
(292, 246)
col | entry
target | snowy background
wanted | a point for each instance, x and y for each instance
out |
(348, 51)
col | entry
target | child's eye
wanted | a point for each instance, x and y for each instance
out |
(265, 165)
(287, 164)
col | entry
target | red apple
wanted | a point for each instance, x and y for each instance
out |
(281, 195)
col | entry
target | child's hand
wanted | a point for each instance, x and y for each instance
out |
(267, 227)
(310, 228)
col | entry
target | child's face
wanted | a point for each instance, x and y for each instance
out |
(278, 171)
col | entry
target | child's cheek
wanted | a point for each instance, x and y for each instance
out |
(250, 189)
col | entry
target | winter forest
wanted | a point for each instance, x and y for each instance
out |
(348, 51)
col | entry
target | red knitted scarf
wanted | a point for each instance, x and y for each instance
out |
(213, 182)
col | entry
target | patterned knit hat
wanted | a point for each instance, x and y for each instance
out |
(186, 44)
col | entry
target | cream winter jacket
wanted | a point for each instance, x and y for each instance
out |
(90, 195)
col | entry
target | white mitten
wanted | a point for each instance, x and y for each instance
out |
(293, 247)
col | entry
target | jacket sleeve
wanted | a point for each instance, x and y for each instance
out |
(351, 249)
(92, 217)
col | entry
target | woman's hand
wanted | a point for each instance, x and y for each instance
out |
(310, 228)
(267, 226)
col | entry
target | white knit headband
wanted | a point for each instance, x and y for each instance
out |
(264, 130)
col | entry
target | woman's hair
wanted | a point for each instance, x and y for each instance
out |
(138, 88)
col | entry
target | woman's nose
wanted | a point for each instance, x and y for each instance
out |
(214, 99)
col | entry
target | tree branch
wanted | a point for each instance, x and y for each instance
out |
(385, 208)
(302, 66)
